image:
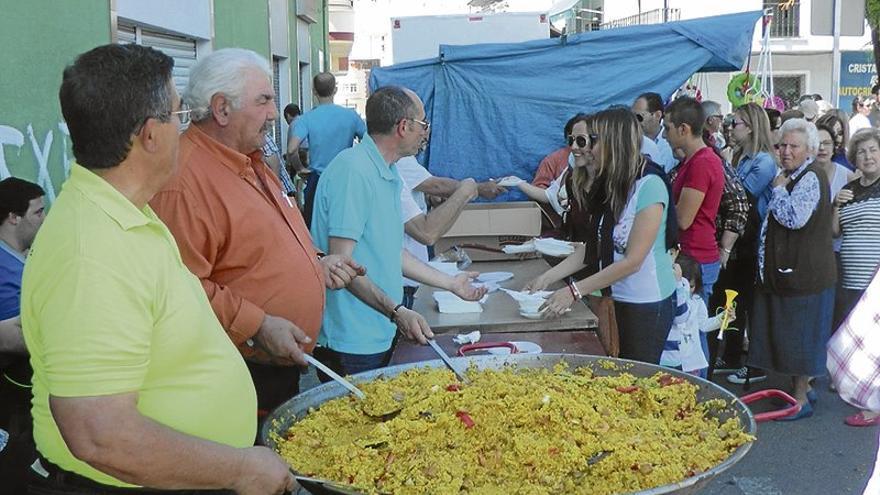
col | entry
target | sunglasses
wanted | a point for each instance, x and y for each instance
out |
(582, 141)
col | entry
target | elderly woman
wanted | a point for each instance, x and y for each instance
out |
(856, 221)
(791, 317)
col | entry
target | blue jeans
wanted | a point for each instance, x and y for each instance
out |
(349, 364)
(643, 328)
(709, 272)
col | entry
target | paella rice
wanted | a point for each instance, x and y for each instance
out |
(535, 431)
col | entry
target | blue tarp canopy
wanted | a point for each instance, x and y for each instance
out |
(498, 109)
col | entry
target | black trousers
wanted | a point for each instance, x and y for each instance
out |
(19, 453)
(275, 385)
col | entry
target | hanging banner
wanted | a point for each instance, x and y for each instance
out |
(857, 75)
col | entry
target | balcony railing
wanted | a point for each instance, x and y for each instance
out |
(656, 16)
(786, 19)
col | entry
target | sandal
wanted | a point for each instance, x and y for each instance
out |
(859, 419)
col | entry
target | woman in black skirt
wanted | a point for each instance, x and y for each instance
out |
(791, 318)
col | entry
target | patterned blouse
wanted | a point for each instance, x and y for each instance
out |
(792, 210)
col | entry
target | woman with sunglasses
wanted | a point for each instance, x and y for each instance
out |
(632, 217)
(578, 175)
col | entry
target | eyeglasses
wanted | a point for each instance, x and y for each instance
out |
(826, 144)
(184, 115)
(583, 141)
(426, 126)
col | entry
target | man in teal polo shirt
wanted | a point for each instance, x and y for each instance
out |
(357, 213)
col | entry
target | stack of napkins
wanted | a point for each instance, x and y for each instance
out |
(548, 246)
(447, 302)
(554, 247)
(526, 247)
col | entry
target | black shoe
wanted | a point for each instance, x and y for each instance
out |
(754, 375)
(722, 366)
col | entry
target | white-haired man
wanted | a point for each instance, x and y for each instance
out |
(239, 233)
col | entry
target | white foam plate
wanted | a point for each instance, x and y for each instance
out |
(495, 277)
(524, 347)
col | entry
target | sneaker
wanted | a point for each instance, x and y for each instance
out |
(722, 366)
(754, 375)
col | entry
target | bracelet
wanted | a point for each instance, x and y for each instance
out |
(320, 255)
(393, 314)
(575, 293)
(726, 250)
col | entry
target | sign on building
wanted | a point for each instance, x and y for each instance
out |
(857, 75)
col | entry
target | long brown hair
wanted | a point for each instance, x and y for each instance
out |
(761, 140)
(621, 161)
(581, 177)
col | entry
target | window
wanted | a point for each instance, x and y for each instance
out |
(789, 88)
(343, 64)
(786, 21)
(180, 48)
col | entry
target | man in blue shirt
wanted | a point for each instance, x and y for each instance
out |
(358, 213)
(329, 129)
(648, 108)
(21, 214)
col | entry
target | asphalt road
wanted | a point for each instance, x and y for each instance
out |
(819, 455)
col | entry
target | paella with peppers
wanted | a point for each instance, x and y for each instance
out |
(513, 430)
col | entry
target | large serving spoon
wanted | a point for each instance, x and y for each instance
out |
(332, 374)
(366, 405)
(445, 358)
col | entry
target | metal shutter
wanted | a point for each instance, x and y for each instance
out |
(180, 48)
(276, 84)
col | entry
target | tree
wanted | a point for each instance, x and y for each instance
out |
(872, 13)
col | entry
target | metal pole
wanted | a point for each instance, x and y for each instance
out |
(835, 57)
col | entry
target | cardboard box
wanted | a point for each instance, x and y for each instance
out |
(483, 229)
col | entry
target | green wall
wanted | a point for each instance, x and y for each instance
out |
(42, 40)
(320, 33)
(242, 24)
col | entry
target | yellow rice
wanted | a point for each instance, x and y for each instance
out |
(535, 431)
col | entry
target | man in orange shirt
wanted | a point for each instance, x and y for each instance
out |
(238, 232)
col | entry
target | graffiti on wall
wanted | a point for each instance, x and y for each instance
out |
(12, 140)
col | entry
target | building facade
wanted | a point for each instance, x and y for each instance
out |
(34, 142)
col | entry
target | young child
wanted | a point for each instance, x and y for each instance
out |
(684, 349)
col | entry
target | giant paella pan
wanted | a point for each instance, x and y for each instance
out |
(546, 423)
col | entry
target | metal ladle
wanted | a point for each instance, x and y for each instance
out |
(385, 415)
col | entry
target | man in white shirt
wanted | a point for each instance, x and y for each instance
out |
(424, 228)
(648, 108)
(859, 120)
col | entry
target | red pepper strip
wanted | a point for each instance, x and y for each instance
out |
(453, 387)
(466, 419)
(627, 390)
(667, 380)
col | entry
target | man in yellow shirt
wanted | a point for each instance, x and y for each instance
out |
(135, 383)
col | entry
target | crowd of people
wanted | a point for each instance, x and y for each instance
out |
(775, 206)
(168, 300)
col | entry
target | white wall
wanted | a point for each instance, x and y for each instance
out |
(191, 17)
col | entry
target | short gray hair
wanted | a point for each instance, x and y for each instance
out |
(221, 72)
(808, 129)
(711, 108)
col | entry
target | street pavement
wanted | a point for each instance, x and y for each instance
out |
(819, 455)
